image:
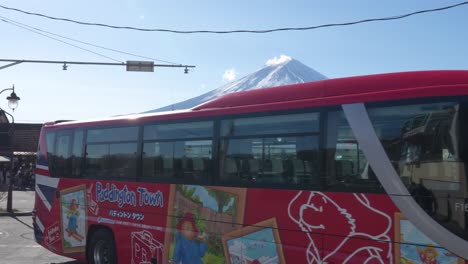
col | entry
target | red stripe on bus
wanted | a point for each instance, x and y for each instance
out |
(42, 172)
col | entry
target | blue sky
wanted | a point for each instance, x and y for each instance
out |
(424, 42)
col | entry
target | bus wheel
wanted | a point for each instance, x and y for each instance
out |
(101, 249)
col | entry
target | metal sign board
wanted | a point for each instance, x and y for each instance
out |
(140, 66)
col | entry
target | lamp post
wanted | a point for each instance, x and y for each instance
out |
(13, 104)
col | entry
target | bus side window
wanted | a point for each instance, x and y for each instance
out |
(277, 160)
(423, 141)
(95, 167)
(50, 145)
(235, 159)
(65, 151)
(178, 153)
(347, 169)
(111, 160)
(187, 161)
(277, 150)
(77, 153)
(111, 152)
(62, 157)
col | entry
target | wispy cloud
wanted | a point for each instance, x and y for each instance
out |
(278, 60)
(229, 75)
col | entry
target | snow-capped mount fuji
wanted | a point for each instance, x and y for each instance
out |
(281, 71)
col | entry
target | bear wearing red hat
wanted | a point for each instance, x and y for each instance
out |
(189, 246)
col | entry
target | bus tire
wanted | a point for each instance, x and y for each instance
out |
(101, 249)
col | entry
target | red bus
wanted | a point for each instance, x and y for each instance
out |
(368, 169)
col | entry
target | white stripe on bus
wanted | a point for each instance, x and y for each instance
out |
(47, 181)
(43, 198)
(39, 224)
(362, 128)
(42, 167)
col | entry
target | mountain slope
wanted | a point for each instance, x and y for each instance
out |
(285, 71)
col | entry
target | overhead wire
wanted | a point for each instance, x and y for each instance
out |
(8, 20)
(239, 30)
(56, 39)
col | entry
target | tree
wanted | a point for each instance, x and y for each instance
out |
(222, 198)
(186, 191)
(189, 193)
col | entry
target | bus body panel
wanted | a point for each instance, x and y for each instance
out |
(293, 225)
(162, 222)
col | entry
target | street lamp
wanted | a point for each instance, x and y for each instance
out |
(12, 99)
(13, 104)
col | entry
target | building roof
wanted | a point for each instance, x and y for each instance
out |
(26, 137)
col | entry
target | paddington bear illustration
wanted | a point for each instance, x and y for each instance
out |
(342, 230)
(190, 247)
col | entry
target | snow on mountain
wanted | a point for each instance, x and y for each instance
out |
(278, 71)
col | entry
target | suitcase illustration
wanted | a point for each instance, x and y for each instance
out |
(146, 249)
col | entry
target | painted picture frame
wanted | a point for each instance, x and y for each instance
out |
(197, 218)
(259, 243)
(73, 215)
(413, 247)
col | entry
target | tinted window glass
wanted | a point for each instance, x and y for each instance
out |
(278, 124)
(424, 144)
(122, 158)
(50, 144)
(77, 153)
(111, 160)
(112, 134)
(179, 131)
(346, 166)
(271, 160)
(421, 140)
(63, 146)
(189, 161)
(62, 157)
(249, 155)
(96, 167)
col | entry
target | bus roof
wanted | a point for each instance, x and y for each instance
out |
(340, 86)
(377, 87)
